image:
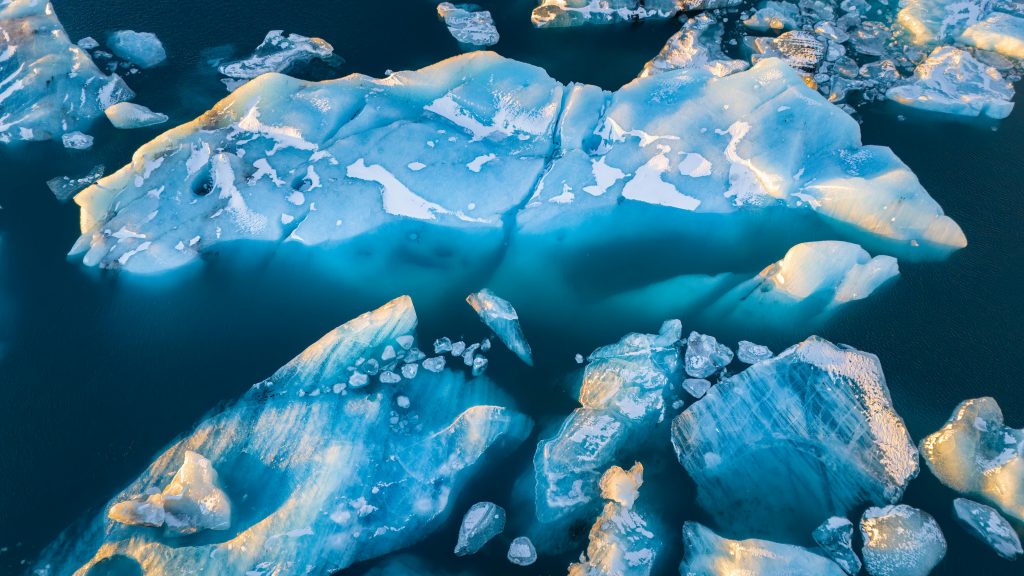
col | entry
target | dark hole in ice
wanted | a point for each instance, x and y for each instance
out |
(116, 566)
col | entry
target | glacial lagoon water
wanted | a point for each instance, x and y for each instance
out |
(100, 371)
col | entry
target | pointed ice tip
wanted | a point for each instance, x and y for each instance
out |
(944, 232)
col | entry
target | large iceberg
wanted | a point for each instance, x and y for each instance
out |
(709, 554)
(319, 474)
(901, 541)
(791, 441)
(977, 454)
(48, 86)
(621, 543)
(950, 80)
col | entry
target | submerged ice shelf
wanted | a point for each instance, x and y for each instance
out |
(319, 474)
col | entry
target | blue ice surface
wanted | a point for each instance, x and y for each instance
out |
(143, 49)
(793, 440)
(319, 475)
(49, 86)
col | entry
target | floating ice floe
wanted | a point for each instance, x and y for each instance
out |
(128, 116)
(952, 81)
(750, 353)
(140, 48)
(708, 553)
(696, 387)
(835, 537)
(560, 13)
(995, 26)
(64, 187)
(469, 24)
(705, 356)
(774, 16)
(319, 475)
(621, 543)
(988, 525)
(499, 315)
(48, 86)
(626, 388)
(975, 453)
(901, 541)
(277, 53)
(521, 552)
(696, 45)
(482, 522)
(77, 141)
(790, 441)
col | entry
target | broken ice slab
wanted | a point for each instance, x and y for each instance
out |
(319, 475)
(995, 26)
(901, 541)
(792, 440)
(482, 522)
(51, 87)
(499, 315)
(988, 525)
(140, 48)
(621, 542)
(976, 454)
(951, 81)
(707, 553)
(625, 390)
(277, 53)
(128, 116)
(469, 24)
(835, 538)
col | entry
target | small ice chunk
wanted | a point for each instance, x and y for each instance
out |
(127, 115)
(469, 24)
(479, 365)
(458, 348)
(705, 356)
(435, 364)
(696, 387)
(442, 345)
(277, 53)
(88, 43)
(389, 377)
(64, 187)
(901, 541)
(579, 358)
(835, 537)
(140, 48)
(988, 525)
(482, 522)
(521, 552)
(358, 380)
(750, 353)
(77, 141)
(409, 371)
(499, 315)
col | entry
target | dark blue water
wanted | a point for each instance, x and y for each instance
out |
(101, 371)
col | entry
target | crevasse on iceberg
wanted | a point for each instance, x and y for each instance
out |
(48, 86)
(319, 475)
(780, 447)
(709, 554)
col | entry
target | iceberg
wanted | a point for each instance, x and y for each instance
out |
(48, 86)
(277, 53)
(835, 537)
(469, 24)
(975, 453)
(793, 440)
(986, 524)
(128, 116)
(994, 26)
(708, 553)
(499, 315)
(901, 541)
(625, 390)
(560, 13)
(696, 45)
(140, 48)
(521, 552)
(621, 544)
(318, 474)
(482, 522)
(952, 81)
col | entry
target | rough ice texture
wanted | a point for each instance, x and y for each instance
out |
(277, 53)
(791, 441)
(835, 537)
(48, 86)
(128, 115)
(626, 388)
(705, 355)
(64, 187)
(469, 24)
(951, 81)
(901, 541)
(750, 353)
(994, 26)
(621, 543)
(499, 315)
(774, 16)
(988, 525)
(140, 48)
(521, 552)
(483, 521)
(319, 475)
(560, 13)
(697, 45)
(976, 454)
(707, 553)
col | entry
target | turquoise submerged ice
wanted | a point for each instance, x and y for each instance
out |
(398, 164)
(708, 553)
(318, 475)
(48, 86)
(793, 440)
